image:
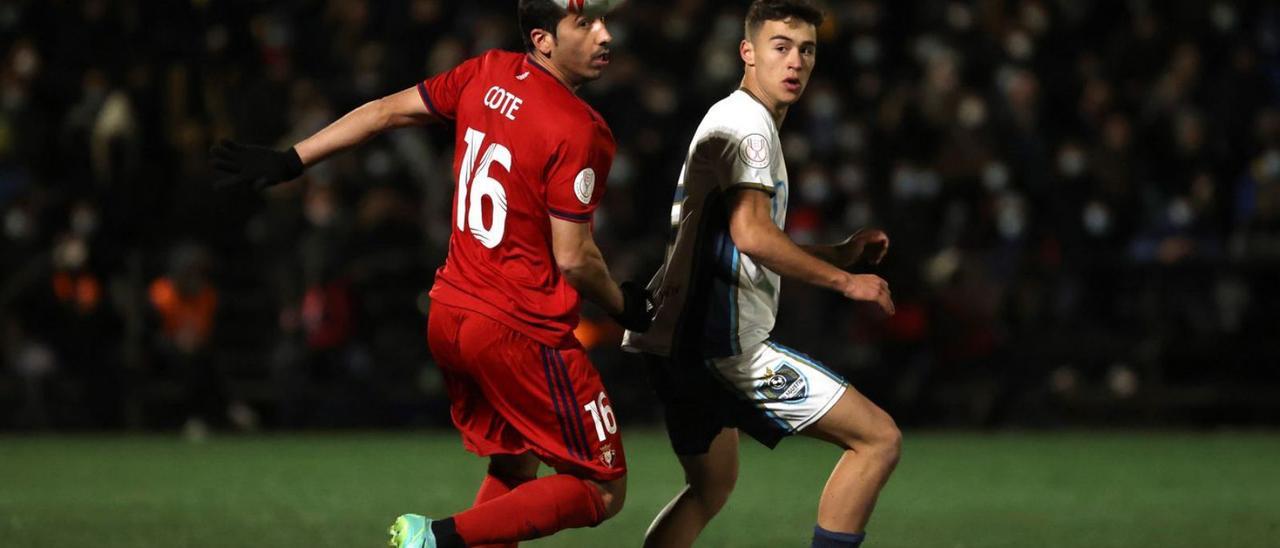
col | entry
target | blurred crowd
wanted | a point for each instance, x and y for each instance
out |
(1083, 198)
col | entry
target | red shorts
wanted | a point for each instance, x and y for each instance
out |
(510, 394)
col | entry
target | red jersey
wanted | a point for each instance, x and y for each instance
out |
(527, 149)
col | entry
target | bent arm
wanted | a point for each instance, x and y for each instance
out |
(828, 253)
(400, 109)
(752, 228)
(583, 265)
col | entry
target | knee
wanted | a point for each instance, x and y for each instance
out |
(887, 443)
(612, 496)
(513, 471)
(712, 491)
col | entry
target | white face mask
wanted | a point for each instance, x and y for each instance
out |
(814, 188)
(865, 50)
(1019, 46)
(823, 104)
(909, 182)
(1271, 164)
(17, 225)
(1071, 161)
(857, 214)
(71, 253)
(972, 112)
(1011, 217)
(1096, 218)
(1180, 213)
(995, 176)
(1223, 16)
(26, 61)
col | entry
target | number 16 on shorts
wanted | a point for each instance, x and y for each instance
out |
(602, 416)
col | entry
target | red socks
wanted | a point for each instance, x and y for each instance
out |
(494, 486)
(530, 510)
(491, 488)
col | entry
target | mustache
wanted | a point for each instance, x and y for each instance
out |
(603, 52)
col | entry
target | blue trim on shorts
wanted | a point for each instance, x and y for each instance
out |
(577, 425)
(807, 360)
(556, 397)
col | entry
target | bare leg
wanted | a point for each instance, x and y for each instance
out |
(613, 494)
(522, 467)
(872, 444)
(709, 479)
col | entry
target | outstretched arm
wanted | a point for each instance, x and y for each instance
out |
(400, 109)
(260, 167)
(754, 233)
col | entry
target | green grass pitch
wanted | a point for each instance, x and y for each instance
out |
(1121, 489)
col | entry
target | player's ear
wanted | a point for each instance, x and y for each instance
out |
(543, 41)
(747, 52)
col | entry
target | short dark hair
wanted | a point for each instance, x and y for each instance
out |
(779, 10)
(538, 14)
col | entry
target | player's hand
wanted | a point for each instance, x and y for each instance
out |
(637, 308)
(875, 245)
(869, 245)
(251, 166)
(869, 288)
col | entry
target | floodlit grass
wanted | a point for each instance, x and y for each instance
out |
(951, 490)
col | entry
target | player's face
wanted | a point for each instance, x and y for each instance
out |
(783, 54)
(581, 47)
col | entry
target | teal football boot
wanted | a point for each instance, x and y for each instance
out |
(411, 531)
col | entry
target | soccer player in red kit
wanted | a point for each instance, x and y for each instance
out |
(531, 160)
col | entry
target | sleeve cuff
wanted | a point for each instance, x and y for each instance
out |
(426, 100)
(754, 186)
(567, 216)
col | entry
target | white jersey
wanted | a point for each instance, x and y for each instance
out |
(711, 298)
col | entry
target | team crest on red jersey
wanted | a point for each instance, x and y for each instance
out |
(607, 454)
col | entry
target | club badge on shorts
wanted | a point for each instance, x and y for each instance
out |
(606, 454)
(785, 384)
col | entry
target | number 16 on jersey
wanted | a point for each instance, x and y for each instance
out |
(470, 213)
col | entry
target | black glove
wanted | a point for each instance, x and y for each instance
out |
(636, 312)
(257, 167)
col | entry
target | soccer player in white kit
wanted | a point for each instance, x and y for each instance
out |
(711, 360)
